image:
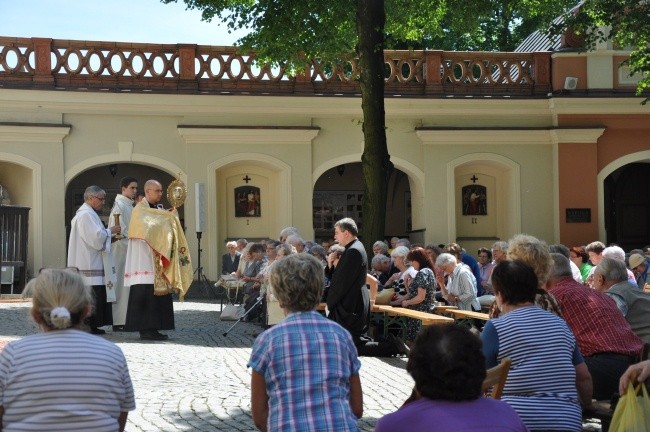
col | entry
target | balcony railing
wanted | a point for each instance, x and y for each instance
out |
(136, 67)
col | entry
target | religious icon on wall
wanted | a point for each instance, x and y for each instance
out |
(474, 200)
(247, 201)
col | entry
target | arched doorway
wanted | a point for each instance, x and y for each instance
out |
(627, 209)
(338, 193)
(108, 178)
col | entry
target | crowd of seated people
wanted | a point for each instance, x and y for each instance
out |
(571, 338)
(587, 299)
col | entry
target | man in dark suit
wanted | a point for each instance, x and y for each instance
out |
(230, 260)
(347, 297)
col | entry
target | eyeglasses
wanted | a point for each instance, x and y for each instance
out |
(100, 198)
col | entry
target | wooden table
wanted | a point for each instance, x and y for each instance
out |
(394, 316)
(322, 306)
(426, 317)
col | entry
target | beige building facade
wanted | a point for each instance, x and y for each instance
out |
(543, 161)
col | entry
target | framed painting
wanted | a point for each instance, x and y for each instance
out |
(247, 201)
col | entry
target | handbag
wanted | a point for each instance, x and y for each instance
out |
(232, 312)
(632, 413)
(385, 296)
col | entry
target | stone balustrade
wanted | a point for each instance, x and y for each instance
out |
(136, 67)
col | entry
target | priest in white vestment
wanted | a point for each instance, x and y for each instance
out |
(88, 241)
(124, 207)
(157, 264)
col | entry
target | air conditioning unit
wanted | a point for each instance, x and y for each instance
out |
(7, 275)
(570, 83)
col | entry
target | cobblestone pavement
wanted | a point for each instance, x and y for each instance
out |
(198, 380)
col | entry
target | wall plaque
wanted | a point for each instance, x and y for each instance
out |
(578, 215)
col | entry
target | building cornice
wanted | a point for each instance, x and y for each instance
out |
(518, 136)
(233, 105)
(247, 135)
(598, 106)
(31, 133)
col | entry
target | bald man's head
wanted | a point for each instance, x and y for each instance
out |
(153, 191)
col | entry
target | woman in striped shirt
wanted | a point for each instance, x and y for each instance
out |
(63, 379)
(548, 379)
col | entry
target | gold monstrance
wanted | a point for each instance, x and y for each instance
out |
(176, 192)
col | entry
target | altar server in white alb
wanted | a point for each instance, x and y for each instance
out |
(90, 244)
(123, 207)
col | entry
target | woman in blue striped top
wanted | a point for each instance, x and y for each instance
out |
(63, 379)
(548, 379)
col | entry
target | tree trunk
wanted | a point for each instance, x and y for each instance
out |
(375, 160)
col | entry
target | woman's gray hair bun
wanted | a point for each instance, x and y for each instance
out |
(60, 318)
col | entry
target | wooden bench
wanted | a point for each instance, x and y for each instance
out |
(465, 314)
(465, 317)
(443, 308)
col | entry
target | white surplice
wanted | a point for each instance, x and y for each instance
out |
(88, 240)
(124, 207)
(138, 268)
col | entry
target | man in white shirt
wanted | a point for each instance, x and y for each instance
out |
(89, 240)
(123, 207)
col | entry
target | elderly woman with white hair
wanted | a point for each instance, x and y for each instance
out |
(400, 281)
(63, 378)
(230, 260)
(461, 287)
(380, 248)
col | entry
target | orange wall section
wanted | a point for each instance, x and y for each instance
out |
(624, 134)
(577, 165)
(565, 66)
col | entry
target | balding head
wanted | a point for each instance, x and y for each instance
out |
(153, 191)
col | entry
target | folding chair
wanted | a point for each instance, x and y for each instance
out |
(495, 379)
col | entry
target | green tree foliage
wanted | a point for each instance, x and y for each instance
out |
(288, 32)
(499, 26)
(503, 28)
(624, 22)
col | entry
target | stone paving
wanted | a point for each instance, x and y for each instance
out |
(198, 380)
